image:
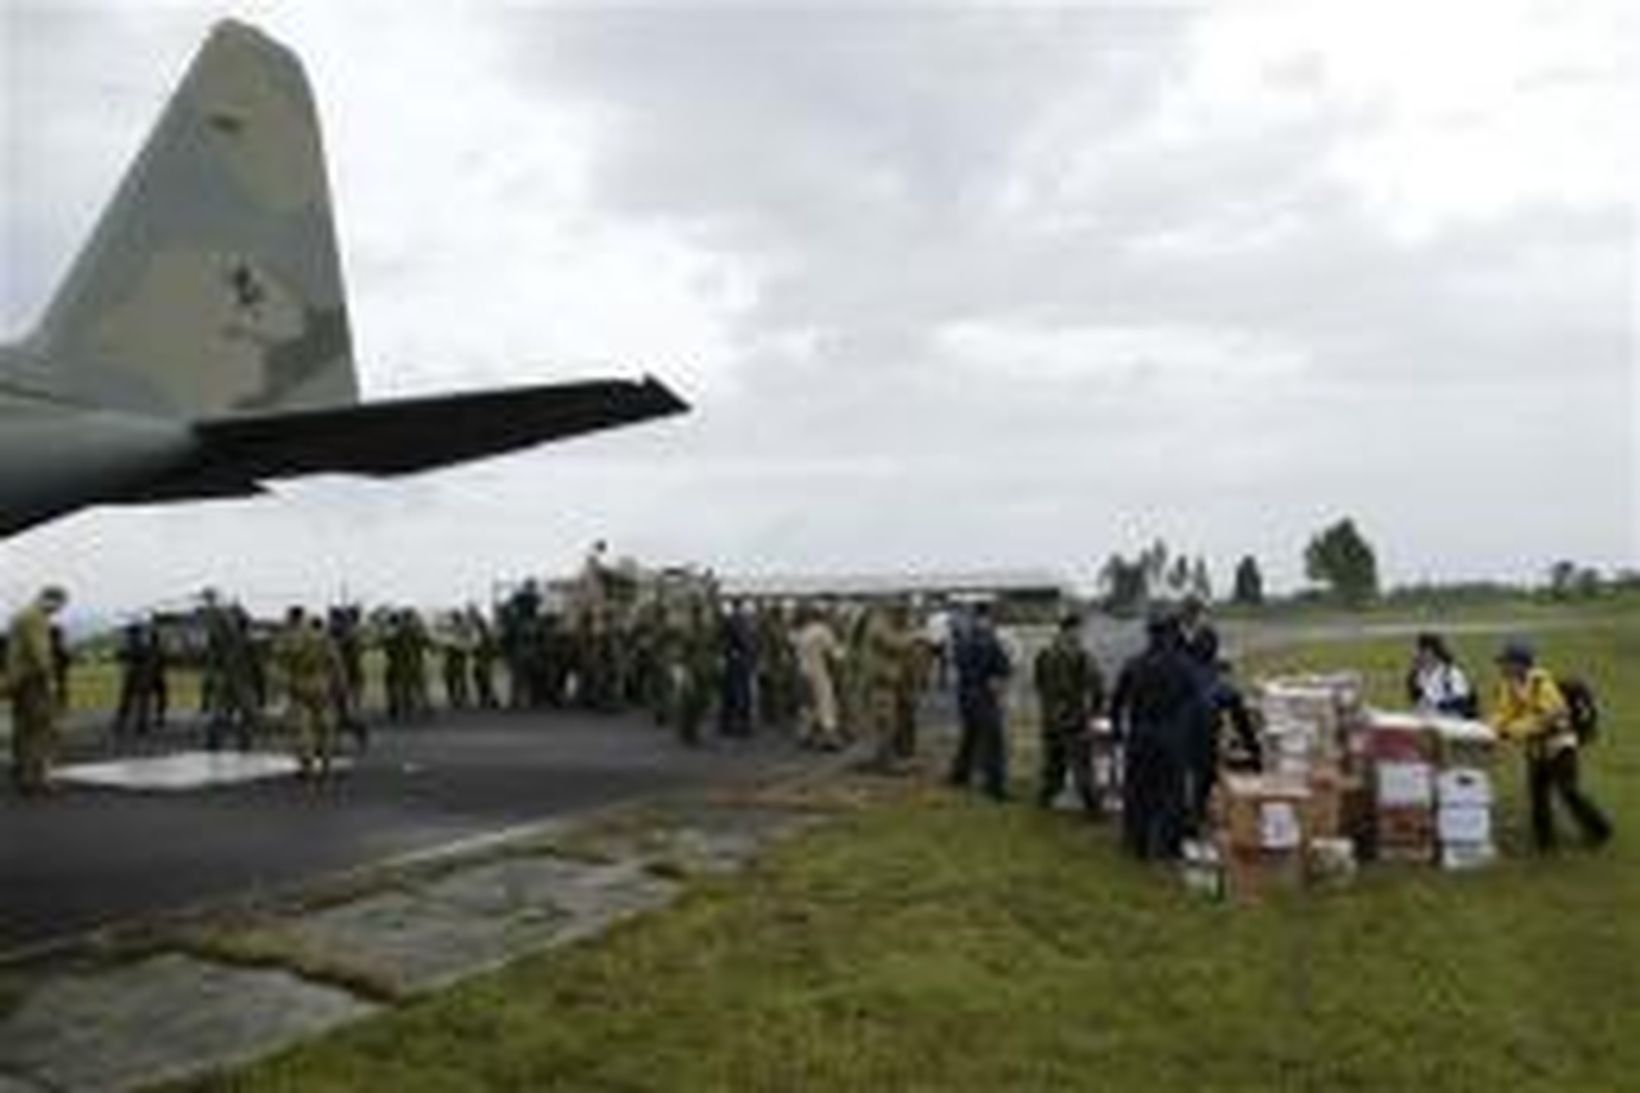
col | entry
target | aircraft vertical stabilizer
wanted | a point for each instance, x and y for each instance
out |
(211, 286)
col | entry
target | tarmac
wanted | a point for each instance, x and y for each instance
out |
(90, 856)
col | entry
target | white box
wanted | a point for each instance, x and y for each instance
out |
(1279, 826)
(1464, 786)
(1406, 785)
(1457, 824)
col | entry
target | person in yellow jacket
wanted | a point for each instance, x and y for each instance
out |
(30, 680)
(1530, 710)
(308, 666)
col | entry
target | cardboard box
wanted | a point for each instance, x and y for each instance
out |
(1458, 824)
(1326, 815)
(1264, 812)
(1404, 785)
(1463, 787)
(1330, 861)
(1404, 829)
(1201, 866)
(1251, 876)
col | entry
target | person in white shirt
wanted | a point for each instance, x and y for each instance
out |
(1436, 683)
(818, 651)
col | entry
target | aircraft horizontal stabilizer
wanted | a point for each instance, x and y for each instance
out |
(403, 436)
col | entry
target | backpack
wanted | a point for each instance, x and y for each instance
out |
(1582, 711)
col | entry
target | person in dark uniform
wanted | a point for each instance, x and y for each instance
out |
(983, 670)
(1158, 712)
(738, 653)
(1070, 692)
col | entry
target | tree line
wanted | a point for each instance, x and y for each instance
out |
(1340, 562)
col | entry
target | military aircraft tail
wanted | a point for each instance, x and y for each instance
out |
(211, 286)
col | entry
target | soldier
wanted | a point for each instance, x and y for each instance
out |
(776, 668)
(485, 651)
(913, 683)
(142, 681)
(738, 663)
(458, 641)
(1158, 711)
(307, 666)
(396, 670)
(343, 627)
(818, 653)
(886, 670)
(419, 699)
(983, 670)
(1070, 692)
(236, 702)
(35, 703)
(695, 678)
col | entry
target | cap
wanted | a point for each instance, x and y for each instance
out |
(1516, 652)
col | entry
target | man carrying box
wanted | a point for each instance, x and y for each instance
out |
(1531, 709)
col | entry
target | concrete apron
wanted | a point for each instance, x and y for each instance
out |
(207, 993)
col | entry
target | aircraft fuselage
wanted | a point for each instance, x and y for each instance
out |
(60, 456)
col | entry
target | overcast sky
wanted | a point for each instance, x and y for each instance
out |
(1017, 287)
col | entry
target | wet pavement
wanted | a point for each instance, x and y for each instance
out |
(93, 855)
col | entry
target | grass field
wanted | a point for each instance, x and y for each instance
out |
(942, 943)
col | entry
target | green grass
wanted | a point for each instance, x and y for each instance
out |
(937, 942)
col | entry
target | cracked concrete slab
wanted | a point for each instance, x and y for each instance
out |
(475, 918)
(161, 1018)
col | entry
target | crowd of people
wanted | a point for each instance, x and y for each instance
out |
(829, 673)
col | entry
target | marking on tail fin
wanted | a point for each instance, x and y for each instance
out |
(212, 285)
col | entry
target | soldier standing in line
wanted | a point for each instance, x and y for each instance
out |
(417, 646)
(818, 652)
(307, 667)
(912, 682)
(737, 663)
(457, 651)
(35, 705)
(699, 655)
(983, 670)
(236, 704)
(1157, 710)
(1070, 693)
(484, 656)
(885, 667)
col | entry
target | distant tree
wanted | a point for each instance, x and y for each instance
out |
(1154, 560)
(1562, 576)
(1341, 558)
(1126, 584)
(1589, 582)
(1201, 582)
(1249, 582)
(1178, 576)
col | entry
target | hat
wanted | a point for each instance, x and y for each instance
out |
(1516, 652)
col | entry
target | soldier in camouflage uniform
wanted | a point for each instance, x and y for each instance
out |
(698, 676)
(307, 667)
(886, 676)
(236, 704)
(777, 681)
(29, 679)
(1070, 693)
(485, 652)
(458, 643)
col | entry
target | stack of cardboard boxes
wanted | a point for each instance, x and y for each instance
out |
(1434, 789)
(1343, 783)
(1297, 820)
(1463, 794)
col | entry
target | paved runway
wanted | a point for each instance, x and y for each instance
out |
(89, 856)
